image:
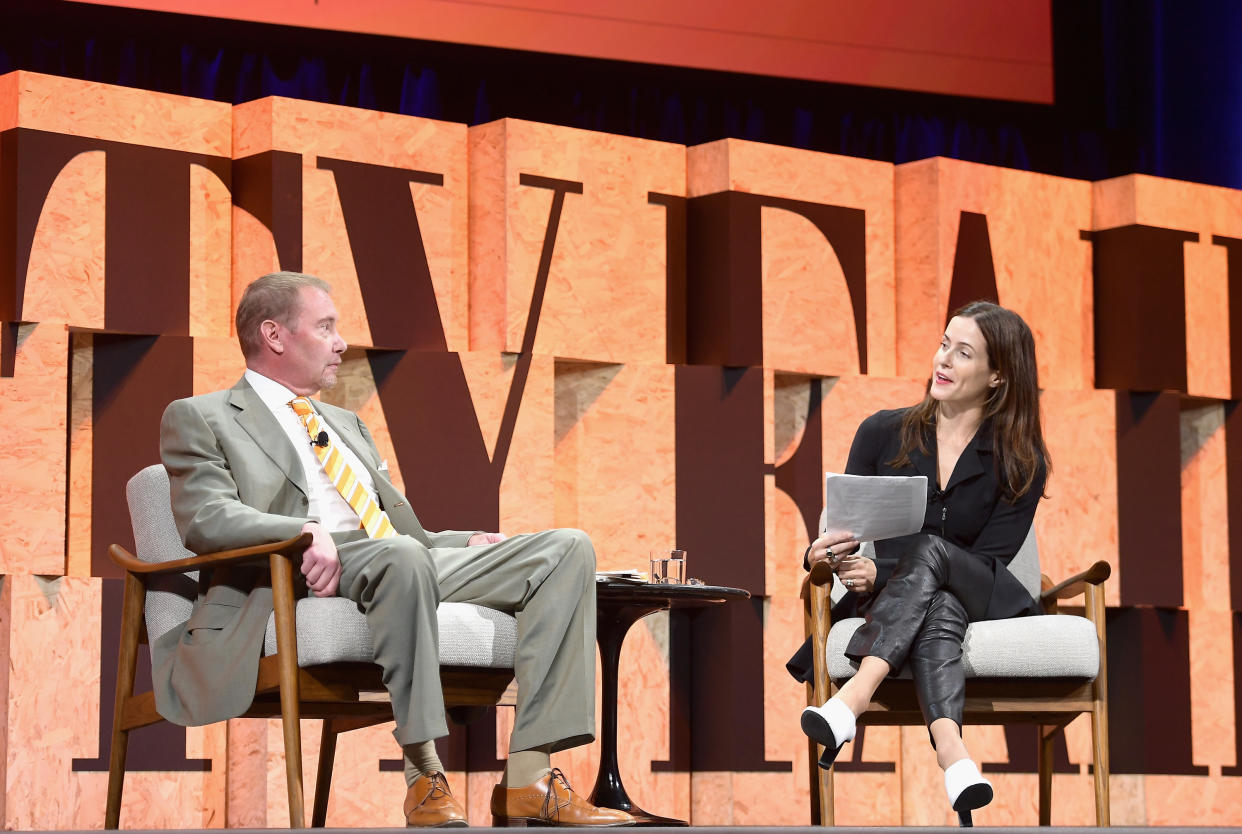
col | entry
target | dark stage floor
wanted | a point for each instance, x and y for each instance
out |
(790, 830)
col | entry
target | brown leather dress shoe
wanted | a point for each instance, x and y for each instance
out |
(550, 801)
(430, 804)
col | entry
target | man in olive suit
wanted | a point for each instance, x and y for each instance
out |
(261, 462)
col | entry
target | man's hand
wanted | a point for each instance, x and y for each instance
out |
(485, 538)
(320, 564)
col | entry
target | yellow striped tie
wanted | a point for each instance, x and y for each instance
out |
(374, 520)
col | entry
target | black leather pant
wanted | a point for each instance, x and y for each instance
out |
(920, 617)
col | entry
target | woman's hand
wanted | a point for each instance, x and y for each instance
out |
(831, 546)
(857, 573)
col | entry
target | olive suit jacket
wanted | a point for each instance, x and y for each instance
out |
(236, 481)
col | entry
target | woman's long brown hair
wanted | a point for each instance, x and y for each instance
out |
(1013, 406)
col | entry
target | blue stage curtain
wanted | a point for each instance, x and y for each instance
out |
(1147, 86)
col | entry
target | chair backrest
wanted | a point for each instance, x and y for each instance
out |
(1025, 565)
(156, 539)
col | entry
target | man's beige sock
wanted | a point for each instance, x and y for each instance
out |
(419, 759)
(525, 767)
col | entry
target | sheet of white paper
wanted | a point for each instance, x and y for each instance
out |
(874, 507)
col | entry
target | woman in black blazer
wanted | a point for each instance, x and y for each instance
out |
(976, 436)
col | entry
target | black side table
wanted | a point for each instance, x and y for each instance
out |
(619, 605)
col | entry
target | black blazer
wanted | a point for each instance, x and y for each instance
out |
(969, 512)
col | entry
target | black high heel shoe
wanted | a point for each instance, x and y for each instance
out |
(831, 725)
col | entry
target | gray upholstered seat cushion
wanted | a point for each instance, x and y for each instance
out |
(1059, 645)
(333, 629)
(1051, 645)
(328, 629)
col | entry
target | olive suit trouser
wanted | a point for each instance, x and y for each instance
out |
(546, 579)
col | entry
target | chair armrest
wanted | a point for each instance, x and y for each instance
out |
(821, 574)
(1076, 584)
(817, 619)
(804, 590)
(258, 553)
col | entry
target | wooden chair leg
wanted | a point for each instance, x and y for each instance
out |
(827, 790)
(1099, 744)
(826, 785)
(323, 776)
(813, 775)
(1099, 709)
(1046, 759)
(818, 621)
(821, 788)
(290, 711)
(133, 599)
(808, 618)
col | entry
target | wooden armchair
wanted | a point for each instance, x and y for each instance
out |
(318, 658)
(1029, 670)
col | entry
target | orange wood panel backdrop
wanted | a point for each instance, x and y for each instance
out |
(664, 346)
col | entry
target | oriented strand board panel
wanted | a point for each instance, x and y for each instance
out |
(468, 436)
(810, 425)
(851, 399)
(56, 769)
(362, 795)
(1077, 522)
(107, 187)
(1169, 204)
(1206, 527)
(1206, 532)
(81, 442)
(218, 364)
(123, 385)
(568, 250)
(827, 249)
(643, 749)
(1187, 238)
(106, 111)
(709, 327)
(34, 459)
(967, 231)
(615, 471)
(374, 203)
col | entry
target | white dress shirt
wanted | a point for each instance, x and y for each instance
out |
(326, 504)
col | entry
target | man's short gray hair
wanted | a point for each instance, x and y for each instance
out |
(274, 296)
